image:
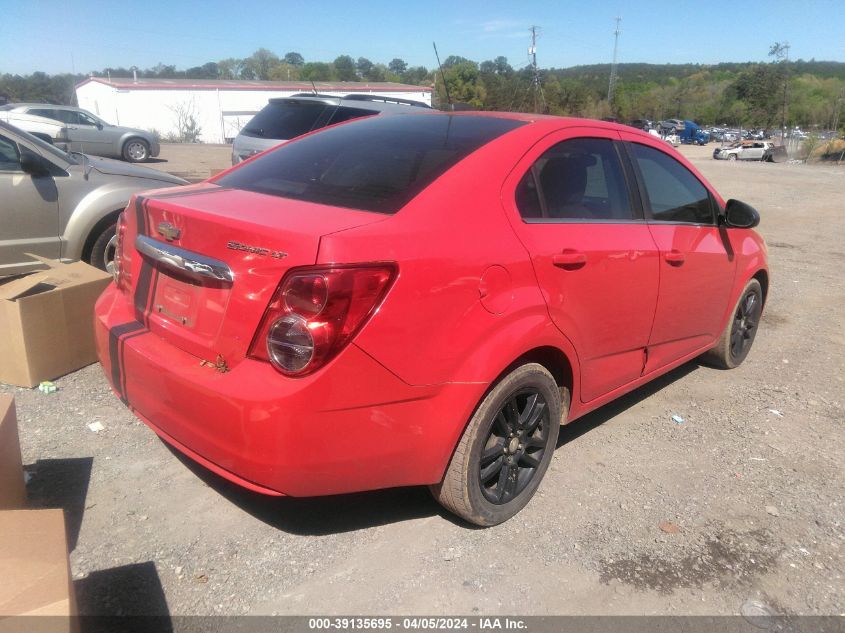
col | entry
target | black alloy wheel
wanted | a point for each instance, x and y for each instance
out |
(515, 446)
(745, 321)
(506, 447)
(739, 332)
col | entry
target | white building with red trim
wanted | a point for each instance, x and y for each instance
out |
(219, 107)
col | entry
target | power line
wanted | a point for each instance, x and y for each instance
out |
(611, 86)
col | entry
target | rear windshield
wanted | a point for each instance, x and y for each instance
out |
(285, 120)
(375, 164)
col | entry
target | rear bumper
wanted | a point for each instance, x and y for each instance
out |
(352, 426)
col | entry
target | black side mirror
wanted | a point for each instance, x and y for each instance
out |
(740, 215)
(33, 164)
(99, 125)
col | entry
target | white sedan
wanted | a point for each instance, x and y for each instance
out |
(747, 150)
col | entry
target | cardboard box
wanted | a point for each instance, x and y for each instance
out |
(12, 488)
(34, 568)
(47, 321)
(34, 565)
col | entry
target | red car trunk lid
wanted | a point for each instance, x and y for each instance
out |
(207, 260)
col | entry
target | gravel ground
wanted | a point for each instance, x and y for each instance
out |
(637, 515)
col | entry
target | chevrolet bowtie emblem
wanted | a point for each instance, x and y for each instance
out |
(168, 231)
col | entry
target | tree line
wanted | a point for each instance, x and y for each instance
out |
(748, 94)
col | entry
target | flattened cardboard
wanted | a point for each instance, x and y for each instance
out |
(34, 564)
(12, 488)
(47, 319)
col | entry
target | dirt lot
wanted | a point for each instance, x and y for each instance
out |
(193, 162)
(753, 480)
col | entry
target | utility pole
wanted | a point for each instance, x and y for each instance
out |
(781, 53)
(785, 91)
(532, 50)
(611, 86)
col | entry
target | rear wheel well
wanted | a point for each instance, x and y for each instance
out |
(95, 232)
(763, 277)
(556, 362)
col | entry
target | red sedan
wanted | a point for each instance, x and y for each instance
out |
(422, 299)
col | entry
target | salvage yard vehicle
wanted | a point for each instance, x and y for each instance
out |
(47, 130)
(693, 134)
(60, 205)
(422, 300)
(673, 139)
(86, 132)
(284, 118)
(746, 150)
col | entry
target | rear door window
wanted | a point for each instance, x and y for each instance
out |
(70, 117)
(284, 120)
(48, 113)
(579, 179)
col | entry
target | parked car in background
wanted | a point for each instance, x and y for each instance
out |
(48, 130)
(745, 150)
(88, 133)
(673, 139)
(642, 124)
(412, 300)
(285, 118)
(670, 126)
(60, 205)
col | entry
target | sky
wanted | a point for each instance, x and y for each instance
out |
(61, 36)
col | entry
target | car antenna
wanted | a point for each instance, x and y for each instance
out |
(443, 77)
(86, 162)
(313, 87)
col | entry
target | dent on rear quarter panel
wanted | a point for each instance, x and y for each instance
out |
(432, 327)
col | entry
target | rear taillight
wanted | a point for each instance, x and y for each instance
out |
(316, 311)
(120, 270)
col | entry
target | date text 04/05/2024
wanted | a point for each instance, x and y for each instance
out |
(417, 623)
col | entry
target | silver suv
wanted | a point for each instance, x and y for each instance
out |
(86, 132)
(285, 118)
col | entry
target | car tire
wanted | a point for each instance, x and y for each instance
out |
(136, 150)
(731, 156)
(738, 335)
(102, 250)
(505, 449)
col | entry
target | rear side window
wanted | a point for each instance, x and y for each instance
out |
(347, 114)
(377, 164)
(285, 120)
(578, 179)
(47, 113)
(672, 192)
